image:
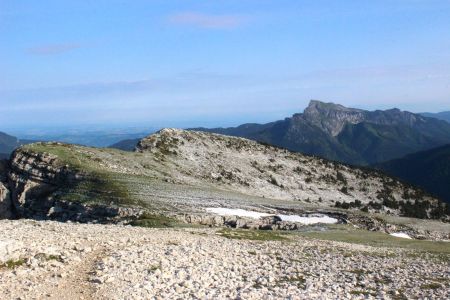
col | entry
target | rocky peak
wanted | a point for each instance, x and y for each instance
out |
(394, 116)
(331, 117)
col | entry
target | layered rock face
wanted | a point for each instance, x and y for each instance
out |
(37, 179)
(32, 178)
(330, 117)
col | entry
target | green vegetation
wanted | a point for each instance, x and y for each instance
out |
(98, 184)
(359, 272)
(417, 209)
(48, 257)
(347, 205)
(66, 155)
(257, 235)
(96, 188)
(398, 295)
(431, 286)
(345, 233)
(154, 221)
(154, 268)
(340, 177)
(298, 280)
(364, 293)
(12, 264)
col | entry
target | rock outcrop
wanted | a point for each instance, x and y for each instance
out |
(33, 177)
(37, 179)
(264, 223)
(330, 117)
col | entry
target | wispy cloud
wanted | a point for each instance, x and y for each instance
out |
(208, 21)
(52, 49)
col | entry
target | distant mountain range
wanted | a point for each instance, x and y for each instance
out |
(445, 115)
(97, 138)
(427, 169)
(348, 135)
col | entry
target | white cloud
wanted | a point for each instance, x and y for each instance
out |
(53, 49)
(208, 21)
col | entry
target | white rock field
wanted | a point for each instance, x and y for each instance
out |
(51, 260)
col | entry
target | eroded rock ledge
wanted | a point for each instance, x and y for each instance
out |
(34, 179)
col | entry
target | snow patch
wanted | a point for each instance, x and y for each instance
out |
(309, 219)
(256, 215)
(236, 212)
(401, 235)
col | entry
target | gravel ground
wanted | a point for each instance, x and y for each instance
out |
(51, 260)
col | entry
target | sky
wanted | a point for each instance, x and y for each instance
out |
(216, 63)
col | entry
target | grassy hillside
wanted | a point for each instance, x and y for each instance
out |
(116, 177)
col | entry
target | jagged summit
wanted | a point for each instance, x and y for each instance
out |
(321, 105)
(331, 117)
(349, 135)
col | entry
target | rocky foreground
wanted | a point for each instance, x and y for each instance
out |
(52, 260)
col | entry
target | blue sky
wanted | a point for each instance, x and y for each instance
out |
(191, 63)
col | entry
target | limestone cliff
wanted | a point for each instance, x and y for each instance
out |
(37, 181)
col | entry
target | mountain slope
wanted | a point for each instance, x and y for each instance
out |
(183, 172)
(429, 169)
(376, 142)
(346, 134)
(445, 115)
(125, 145)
